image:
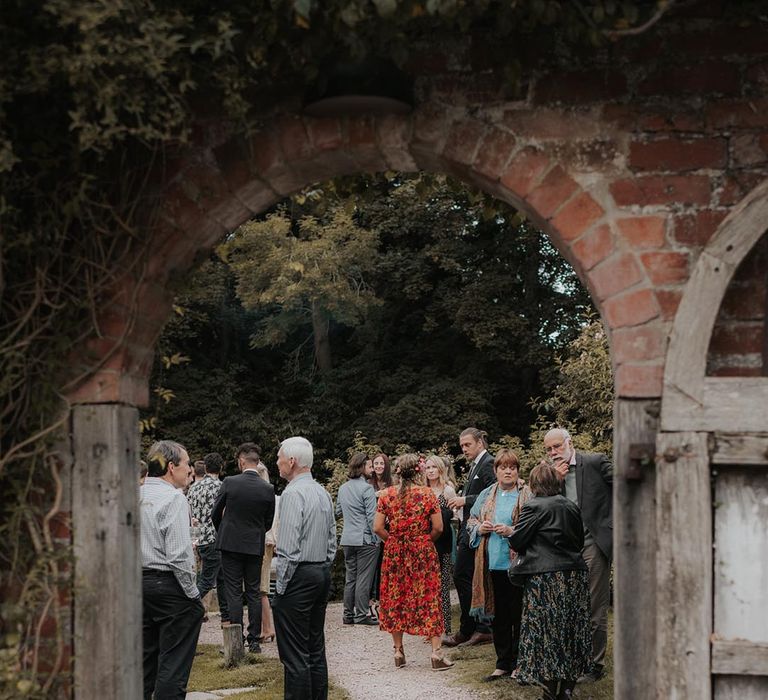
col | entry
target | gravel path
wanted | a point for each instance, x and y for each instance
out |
(360, 661)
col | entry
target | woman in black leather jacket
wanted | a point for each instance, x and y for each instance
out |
(555, 640)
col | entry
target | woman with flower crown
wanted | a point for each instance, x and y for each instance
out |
(408, 520)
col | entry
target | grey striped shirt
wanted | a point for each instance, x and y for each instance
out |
(165, 541)
(307, 528)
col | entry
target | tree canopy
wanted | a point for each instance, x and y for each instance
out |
(442, 309)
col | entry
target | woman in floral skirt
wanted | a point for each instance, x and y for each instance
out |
(408, 520)
(555, 640)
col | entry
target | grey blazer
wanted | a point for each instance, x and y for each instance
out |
(594, 488)
(356, 503)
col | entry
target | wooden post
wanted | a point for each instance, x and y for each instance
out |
(634, 553)
(234, 652)
(683, 566)
(105, 524)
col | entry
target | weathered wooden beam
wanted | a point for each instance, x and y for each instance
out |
(728, 404)
(234, 652)
(740, 657)
(765, 329)
(740, 449)
(634, 537)
(105, 524)
(683, 566)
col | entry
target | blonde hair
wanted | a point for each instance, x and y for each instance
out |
(442, 471)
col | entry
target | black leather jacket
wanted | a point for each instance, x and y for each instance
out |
(549, 535)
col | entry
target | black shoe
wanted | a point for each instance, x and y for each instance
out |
(347, 622)
(368, 621)
(254, 649)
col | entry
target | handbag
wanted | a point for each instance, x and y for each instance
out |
(514, 578)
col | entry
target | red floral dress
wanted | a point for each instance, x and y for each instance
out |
(410, 571)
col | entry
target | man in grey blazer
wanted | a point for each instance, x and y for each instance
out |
(588, 482)
(356, 503)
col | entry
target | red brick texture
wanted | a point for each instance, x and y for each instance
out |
(630, 164)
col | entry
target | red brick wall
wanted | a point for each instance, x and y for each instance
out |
(630, 158)
(738, 345)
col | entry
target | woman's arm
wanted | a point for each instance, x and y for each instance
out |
(437, 525)
(380, 526)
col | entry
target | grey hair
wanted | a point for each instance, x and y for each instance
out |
(161, 453)
(300, 449)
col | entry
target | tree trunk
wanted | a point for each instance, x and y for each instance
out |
(322, 342)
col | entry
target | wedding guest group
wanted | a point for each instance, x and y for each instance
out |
(530, 561)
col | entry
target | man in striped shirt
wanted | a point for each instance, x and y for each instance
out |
(172, 611)
(306, 546)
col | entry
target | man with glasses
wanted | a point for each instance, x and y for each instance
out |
(588, 482)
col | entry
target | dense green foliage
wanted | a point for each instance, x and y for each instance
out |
(443, 310)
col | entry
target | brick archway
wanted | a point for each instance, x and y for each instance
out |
(618, 254)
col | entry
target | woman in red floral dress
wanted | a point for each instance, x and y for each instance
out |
(408, 519)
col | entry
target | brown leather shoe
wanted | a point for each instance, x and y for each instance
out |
(478, 638)
(453, 640)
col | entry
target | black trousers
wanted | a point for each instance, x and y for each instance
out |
(243, 570)
(211, 575)
(508, 601)
(299, 621)
(463, 571)
(171, 625)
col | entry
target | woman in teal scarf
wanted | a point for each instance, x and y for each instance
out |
(494, 598)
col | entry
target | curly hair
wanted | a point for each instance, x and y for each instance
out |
(407, 467)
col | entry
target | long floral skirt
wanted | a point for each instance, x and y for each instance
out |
(410, 587)
(555, 638)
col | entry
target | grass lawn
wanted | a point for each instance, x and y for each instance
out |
(474, 663)
(265, 675)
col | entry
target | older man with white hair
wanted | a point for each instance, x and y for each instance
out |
(588, 482)
(306, 546)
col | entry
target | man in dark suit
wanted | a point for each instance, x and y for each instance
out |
(588, 482)
(242, 514)
(480, 475)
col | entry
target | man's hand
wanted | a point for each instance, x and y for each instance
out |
(561, 467)
(457, 502)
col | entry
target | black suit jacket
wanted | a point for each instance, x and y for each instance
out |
(594, 489)
(479, 478)
(243, 513)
